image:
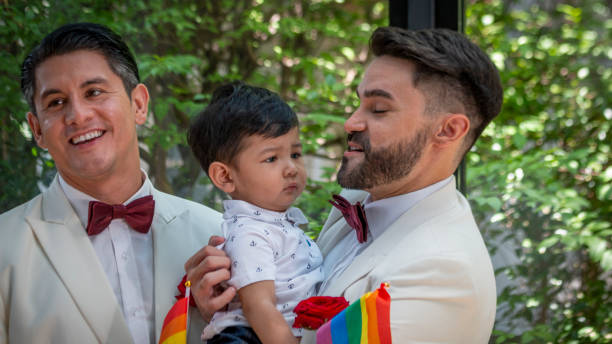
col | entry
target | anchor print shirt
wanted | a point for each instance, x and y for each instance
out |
(267, 245)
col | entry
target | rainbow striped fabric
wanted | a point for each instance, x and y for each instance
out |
(364, 321)
(174, 330)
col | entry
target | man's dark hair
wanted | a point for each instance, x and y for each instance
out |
(80, 36)
(453, 73)
(237, 111)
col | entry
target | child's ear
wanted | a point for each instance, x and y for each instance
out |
(219, 174)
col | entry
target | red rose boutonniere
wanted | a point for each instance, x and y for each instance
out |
(181, 288)
(317, 310)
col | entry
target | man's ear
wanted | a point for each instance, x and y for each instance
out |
(36, 130)
(140, 103)
(220, 175)
(452, 129)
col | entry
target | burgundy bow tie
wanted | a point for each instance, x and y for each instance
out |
(354, 215)
(138, 214)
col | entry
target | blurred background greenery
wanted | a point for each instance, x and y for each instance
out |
(539, 179)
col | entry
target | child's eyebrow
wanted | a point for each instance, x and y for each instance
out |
(269, 149)
(276, 148)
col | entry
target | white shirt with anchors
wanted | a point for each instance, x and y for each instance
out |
(267, 245)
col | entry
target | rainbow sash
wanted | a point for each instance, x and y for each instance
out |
(364, 321)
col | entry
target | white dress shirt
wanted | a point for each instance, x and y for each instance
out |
(380, 215)
(127, 259)
(267, 245)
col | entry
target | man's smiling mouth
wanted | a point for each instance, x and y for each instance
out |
(86, 137)
(354, 148)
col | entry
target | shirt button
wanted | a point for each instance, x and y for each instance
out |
(124, 255)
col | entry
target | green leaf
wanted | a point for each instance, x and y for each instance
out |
(548, 242)
(519, 140)
(597, 247)
(606, 260)
(349, 53)
(323, 118)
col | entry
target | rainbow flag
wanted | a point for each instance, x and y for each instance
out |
(174, 330)
(363, 321)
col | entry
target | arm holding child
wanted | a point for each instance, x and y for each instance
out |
(206, 270)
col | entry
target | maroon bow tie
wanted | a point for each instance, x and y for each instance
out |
(138, 214)
(354, 215)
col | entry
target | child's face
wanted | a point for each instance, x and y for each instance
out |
(270, 172)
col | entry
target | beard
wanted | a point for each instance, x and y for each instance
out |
(383, 165)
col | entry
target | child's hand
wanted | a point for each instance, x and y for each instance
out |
(206, 269)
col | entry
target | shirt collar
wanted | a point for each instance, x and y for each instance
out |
(382, 213)
(80, 200)
(238, 208)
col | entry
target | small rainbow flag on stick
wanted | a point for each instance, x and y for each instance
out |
(174, 330)
(363, 321)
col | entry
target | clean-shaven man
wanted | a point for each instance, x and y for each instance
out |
(96, 257)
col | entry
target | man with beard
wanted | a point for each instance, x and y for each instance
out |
(425, 99)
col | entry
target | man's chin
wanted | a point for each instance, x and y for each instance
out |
(350, 178)
(89, 169)
(349, 165)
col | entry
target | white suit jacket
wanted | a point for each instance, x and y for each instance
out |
(53, 288)
(441, 278)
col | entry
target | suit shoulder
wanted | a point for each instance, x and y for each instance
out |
(449, 242)
(18, 214)
(453, 232)
(15, 231)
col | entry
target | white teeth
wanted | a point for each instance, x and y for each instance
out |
(85, 137)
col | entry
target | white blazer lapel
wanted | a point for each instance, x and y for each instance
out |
(423, 211)
(367, 260)
(334, 230)
(65, 242)
(332, 236)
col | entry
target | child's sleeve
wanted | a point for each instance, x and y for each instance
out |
(252, 251)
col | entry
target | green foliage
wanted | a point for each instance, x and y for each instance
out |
(310, 52)
(22, 163)
(539, 178)
(540, 175)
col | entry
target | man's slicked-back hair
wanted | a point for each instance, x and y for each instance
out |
(237, 111)
(453, 73)
(80, 36)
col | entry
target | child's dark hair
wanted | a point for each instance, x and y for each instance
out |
(236, 111)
